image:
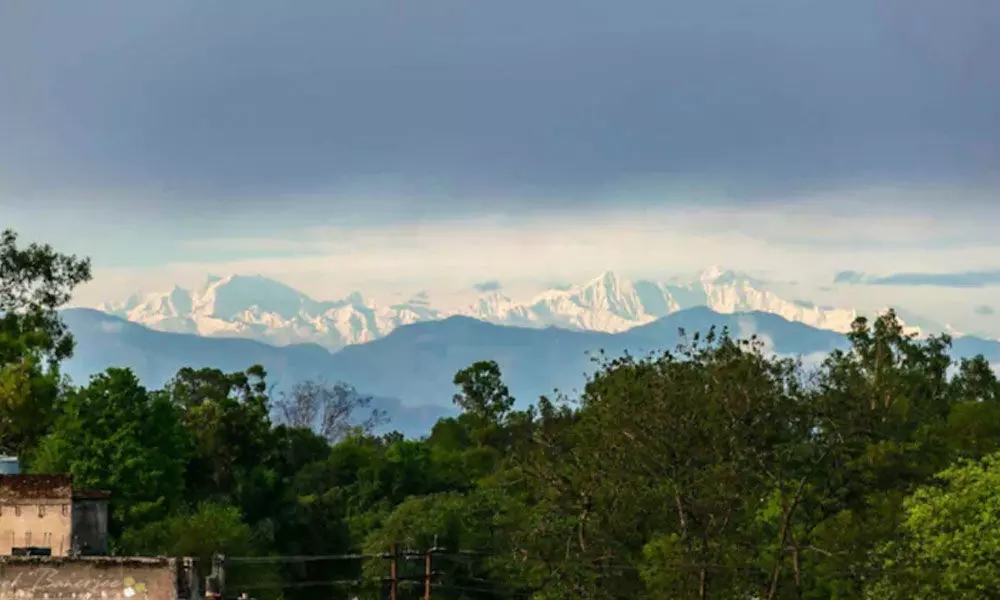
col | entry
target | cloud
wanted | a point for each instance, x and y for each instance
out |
(332, 103)
(746, 328)
(330, 261)
(960, 279)
(851, 277)
(985, 310)
(488, 286)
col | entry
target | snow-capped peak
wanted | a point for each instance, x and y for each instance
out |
(712, 273)
(261, 308)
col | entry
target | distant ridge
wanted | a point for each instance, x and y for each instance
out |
(411, 368)
(255, 307)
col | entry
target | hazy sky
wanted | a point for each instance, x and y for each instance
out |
(367, 143)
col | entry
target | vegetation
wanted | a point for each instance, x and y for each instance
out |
(712, 470)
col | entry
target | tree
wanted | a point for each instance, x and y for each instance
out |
(208, 530)
(485, 402)
(949, 549)
(779, 482)
(483, 393)
(883, 409)
(228, 415)
(696, 430)
(450, 521)
(327, 409)
(115, 435)
(27, 405)
(35, 281)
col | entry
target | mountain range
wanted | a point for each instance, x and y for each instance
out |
(409, 371)
(405, 354)
(259, 308)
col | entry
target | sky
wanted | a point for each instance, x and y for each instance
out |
(366, 144)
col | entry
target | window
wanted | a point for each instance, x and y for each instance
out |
(41, 510)
(17, 511)
(65, 510)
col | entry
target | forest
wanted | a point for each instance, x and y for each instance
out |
(709, 470)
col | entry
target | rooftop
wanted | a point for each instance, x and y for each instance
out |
(24, 486)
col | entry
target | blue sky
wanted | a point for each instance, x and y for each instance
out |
(367, 143)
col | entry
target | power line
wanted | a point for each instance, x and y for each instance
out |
(469, 583)
(407, 554)
(300, 558)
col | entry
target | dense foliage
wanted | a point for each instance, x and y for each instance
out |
(713, 470)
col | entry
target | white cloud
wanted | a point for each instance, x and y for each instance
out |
(805, 241)
(746, 328)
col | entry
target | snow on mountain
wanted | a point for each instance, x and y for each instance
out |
(260, 308)
(610, 303)
(728, 292)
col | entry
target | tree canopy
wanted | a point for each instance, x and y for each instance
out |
(35, 282)
(710, 470)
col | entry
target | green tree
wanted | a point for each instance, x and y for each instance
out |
(882, 413)
(688, 444)
(208, 530)
(451, 522)
(484, 399)
(973, 428)
(35, 281)
(483, 392)
(28, 396)
(115, 435)
(949, 546)
(228, 415)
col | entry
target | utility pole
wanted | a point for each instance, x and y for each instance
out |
(428, 568)
(393, 573)
(427, 575)
(215, 583)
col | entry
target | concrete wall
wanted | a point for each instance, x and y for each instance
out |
(96, 578)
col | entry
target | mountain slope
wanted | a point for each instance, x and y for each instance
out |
(259, 308)
(416, 363)
(105, 341)
(419, 360)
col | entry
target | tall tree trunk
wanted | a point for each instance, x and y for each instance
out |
(796, 566)
(787, 509)
(680, 514)
(703, 573)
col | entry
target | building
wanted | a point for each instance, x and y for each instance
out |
(44, 514)
(98, 577)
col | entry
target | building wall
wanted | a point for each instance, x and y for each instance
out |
(44, 511)
(44, 523)
(90, 525)
(104, 578)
